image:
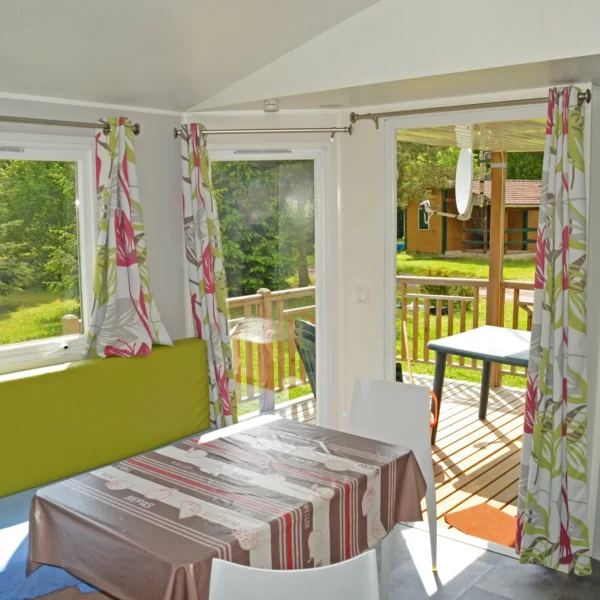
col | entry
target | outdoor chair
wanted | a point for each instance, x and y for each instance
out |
(305, 338)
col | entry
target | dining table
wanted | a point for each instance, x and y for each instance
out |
(268, 493)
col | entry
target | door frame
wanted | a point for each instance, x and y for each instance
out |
(388, 153)
(388, 128)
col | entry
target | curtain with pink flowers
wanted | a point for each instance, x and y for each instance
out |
(552, 518)
(206, 274)
(125, 320)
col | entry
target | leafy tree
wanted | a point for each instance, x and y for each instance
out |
(62, 268)
(15, 273)
(525, 165)
(422, 169)
(38, 237)
(266, 211)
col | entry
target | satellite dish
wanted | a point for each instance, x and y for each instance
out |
(464, 184)
(463, 187)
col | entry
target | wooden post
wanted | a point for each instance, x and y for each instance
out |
(405, 350)
(71, 325)
(266, 374)
(497, 213)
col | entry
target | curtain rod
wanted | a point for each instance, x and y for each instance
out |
(332, 130)
(354, 117)
(135, 127)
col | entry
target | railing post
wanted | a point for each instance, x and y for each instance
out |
(404, 318)
(266, 373)
(71, 324)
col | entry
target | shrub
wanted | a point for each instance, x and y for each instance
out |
(445, 290)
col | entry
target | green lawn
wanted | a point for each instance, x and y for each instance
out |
(26, 316)
(478, 268)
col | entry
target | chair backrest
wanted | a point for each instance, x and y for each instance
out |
(306, 329)
(397, 413)
(306, 342)
(354, 579)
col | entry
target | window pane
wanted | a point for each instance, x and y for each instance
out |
(266, 210)
(39, 265)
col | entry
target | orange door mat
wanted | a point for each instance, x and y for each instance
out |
(486, 523)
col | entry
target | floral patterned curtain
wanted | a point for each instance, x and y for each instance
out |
(553, 496)
(124, 320)
(206, 274)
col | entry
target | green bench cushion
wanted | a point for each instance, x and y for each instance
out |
(93, 412)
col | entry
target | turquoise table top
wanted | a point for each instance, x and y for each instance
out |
(491, 344)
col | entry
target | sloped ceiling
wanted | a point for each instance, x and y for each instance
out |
(169, 54)
(397, 42)
(470, 83)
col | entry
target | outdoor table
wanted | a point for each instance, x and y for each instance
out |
(269, 493)
(489, 344)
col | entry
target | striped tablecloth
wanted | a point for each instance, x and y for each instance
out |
(274, 495)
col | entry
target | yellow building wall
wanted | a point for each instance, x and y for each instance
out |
(454, 227)
(515, 220)
(425, 241)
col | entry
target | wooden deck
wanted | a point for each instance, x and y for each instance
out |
(474, 461)
(477, 461)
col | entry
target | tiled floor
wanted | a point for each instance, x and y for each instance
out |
(464, 573)
(469, 573)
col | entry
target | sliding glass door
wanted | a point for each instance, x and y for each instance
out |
(266, 206)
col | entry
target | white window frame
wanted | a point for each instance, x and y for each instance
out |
(50, 351)
(325, 250)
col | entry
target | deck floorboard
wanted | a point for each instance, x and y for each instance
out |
(477, 461)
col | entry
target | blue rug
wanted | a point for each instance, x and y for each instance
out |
(14, 529)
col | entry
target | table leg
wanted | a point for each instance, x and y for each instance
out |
(438, 385)
(485, 389)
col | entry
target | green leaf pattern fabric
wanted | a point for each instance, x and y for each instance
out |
(553, 494)
(124, 320)
(206, 274)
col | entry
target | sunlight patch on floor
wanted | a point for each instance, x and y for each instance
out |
(10, 540)
(450, 564)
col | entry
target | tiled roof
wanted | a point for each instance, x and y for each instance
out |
(519, 192)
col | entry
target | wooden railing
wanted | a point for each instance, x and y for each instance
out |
(263, 327)
(432, 316)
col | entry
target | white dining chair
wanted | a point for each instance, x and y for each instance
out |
(354, 579)
(398, 413)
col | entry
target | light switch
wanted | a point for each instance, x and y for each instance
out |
(361, 294)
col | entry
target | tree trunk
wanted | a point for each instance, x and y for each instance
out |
(303, 277)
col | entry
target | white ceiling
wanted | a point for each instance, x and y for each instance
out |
(525, 135)
(483, 81)
(169, 54)
(405, 46)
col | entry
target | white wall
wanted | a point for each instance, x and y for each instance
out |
(401, 39)
(362, 338)
(159, 174)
